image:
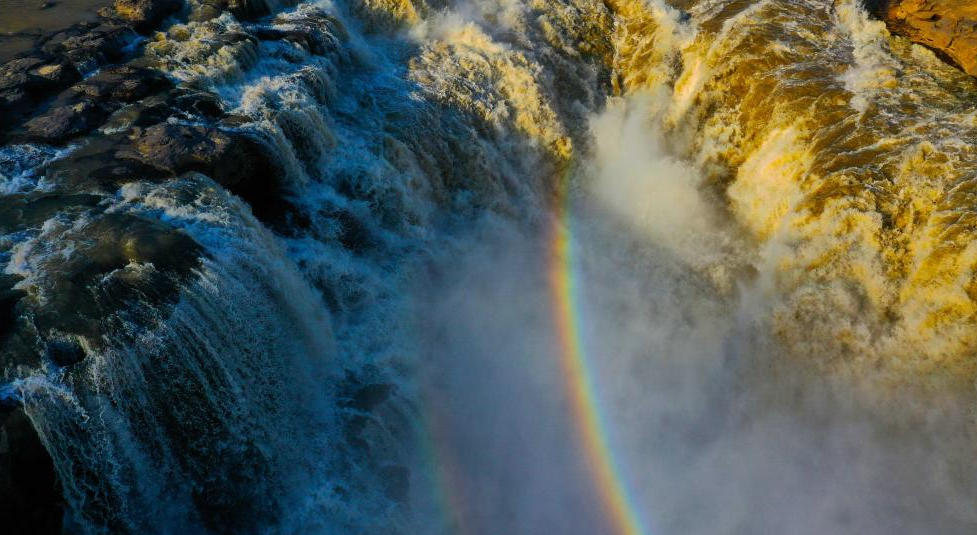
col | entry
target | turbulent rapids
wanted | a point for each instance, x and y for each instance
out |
(468, 267)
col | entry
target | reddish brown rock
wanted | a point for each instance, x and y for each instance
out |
(947, 26)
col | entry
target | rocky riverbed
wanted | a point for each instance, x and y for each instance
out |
(74, 77)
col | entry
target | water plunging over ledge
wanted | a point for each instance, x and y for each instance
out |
(390, 266)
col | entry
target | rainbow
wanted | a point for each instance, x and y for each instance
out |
(579, 382)
(446, 473)
(578, 378)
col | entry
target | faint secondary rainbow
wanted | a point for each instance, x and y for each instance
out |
(579, 381)
(446, 473)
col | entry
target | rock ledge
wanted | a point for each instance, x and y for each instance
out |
(949, 27)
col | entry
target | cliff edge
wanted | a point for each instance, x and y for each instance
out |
(947, 26)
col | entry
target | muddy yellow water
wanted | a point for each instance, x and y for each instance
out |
(847, 154)
(40, 15)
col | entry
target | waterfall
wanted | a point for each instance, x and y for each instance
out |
(754, 217)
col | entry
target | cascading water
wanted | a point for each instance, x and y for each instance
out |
(632, 266)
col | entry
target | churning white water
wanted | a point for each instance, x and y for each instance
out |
(778, 337)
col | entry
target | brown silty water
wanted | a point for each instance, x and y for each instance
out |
(847, 154)
(21, 21)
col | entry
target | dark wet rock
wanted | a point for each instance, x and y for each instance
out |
(14, 103)
(153, 110)
(53, 75)
(53, 61)
(181, 104)
(90, 46)
(231, 37)
(113, 171)
(122, 84)
(19, 340)
(65, 351)
(176, 148)
(306, 36)
(317, 32)
(89, 103)
(203, 10)
(146, 15)
(29, 83)
(30, 498)
(235, 120)
(24, 82)
(20, 211)
(96, 166)
(238, 161)
(949, 27)
(17, 73)
(119, 262)
(63, 122)
(116, 261)
(199, 103)
(121, 269)
(268, 33)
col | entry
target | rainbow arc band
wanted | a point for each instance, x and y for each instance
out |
(578, 379)
(579, 383)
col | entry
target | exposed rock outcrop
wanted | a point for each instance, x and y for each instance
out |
(146, 15)
(203, 10)
(92, 86)
(88, 46)
(947, 26)
(88, 104)
(66, 86)
(28, 83)
(237, 161)
(25, 81)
